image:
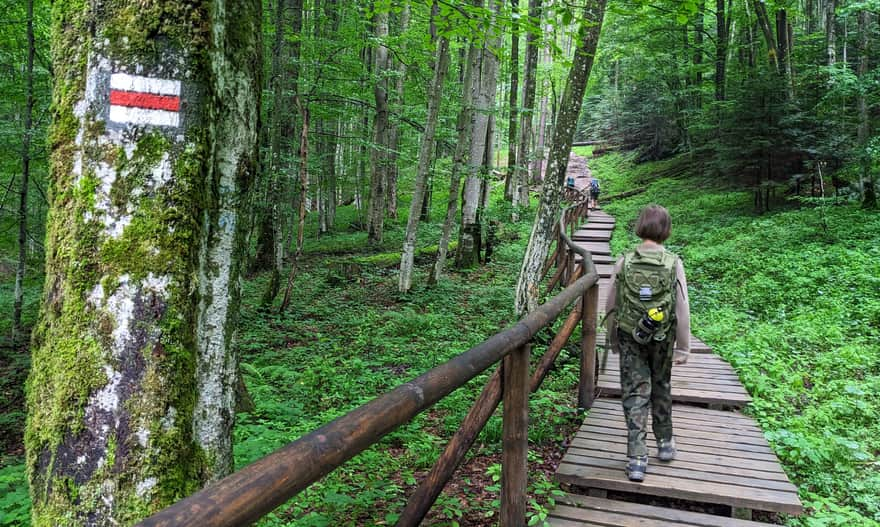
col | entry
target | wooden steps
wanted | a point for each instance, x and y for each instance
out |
(575, 510)
(723, 458)
(705, 379)
(725, 470)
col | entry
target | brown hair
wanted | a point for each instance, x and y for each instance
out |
(654, 224)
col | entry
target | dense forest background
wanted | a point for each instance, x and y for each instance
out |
(752, 120)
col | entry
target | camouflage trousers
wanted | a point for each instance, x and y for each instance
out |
(645, 371)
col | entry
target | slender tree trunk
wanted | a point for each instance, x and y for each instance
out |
(484, 104)
(464, 129)
(722, 37)
(784, 47)
(699, 27)
(270, 234)
(512, 102)
(394, 131)
(441, 65)
(866, 181)
(831, 31)
(132, 385)
(521, 177)
(379, 158)
(764, 24)
(303, 191)
(18, 302)
(563, 134)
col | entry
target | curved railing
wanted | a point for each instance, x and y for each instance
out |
(247, 495)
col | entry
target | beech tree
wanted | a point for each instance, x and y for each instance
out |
(131, 392)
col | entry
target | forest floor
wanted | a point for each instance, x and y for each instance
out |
(790, 298)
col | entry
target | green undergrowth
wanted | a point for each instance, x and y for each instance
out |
(347, 339)
(795, 307)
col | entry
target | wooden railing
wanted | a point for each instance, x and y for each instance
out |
(247, 495)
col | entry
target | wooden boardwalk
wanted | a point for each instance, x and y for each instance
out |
(723, 458)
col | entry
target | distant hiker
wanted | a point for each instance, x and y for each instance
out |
(648, 319)
(569, 182)
(594, 193)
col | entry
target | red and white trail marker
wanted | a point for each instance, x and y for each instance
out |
(144, 100)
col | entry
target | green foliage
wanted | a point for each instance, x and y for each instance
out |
(794, 308)
(15, 502)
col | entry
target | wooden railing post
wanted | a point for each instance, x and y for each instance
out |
(587, 385)
(515, 431)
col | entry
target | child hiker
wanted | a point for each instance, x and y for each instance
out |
(648, 321)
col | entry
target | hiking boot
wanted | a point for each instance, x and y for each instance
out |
(666, 449)
(636, 467)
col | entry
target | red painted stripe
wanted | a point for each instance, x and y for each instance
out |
(145, 100)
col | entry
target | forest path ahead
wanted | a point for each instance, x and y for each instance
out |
(724, 464)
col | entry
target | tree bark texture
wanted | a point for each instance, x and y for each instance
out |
(866, 181)
(441, 65)
(483, 106)
(521, 175)
(379, 158)
(131, 391)
(563, 133)
(764, 24)
(513, 101)
(21, 268)
(464, 130)
(394, 132)
(831, 31)
(699, 26)
(722, 41)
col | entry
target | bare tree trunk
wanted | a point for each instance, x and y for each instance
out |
(462, 148)
(764, 23)
(512, 102)
(699, 26)
(563, 134)
(831, 31)
(17, 330)
(132, 385)
(468, 253)
(303, 191)
(784, 47)
(521, 177)
(866, 181)
(270, 235)
(722, 39)
(434, 94)
(379, 158)
(394, 132)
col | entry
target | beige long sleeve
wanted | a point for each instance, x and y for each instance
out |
(682, 344)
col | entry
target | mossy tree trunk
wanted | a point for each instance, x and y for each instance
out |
(131, 393)
(563, 134)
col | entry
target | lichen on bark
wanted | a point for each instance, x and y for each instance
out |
(141, 218)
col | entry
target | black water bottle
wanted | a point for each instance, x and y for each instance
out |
(648, 325)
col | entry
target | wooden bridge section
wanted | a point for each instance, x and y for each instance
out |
(723, 459)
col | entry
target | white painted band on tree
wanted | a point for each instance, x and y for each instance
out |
(125, 114)
(135, 83)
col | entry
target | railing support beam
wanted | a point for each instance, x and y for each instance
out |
(514, 457)
(587, 385)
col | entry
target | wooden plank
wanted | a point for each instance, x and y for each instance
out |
(711, 416)
(709, 458)
(585, 457)
(680, 471)
(670, 487)
(600, 511)
(686, 421)
(716, 440)
(595, 247)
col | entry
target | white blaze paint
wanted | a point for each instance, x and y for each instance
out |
(144, 100)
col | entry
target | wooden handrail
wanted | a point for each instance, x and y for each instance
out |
(245, 496)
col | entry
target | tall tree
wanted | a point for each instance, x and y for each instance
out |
(131, 391)
(441, 65)
(513, 100)
(17, 330)
(394, 132)
(722, 42)
(563, 134)
(521, 179)
(866, 181)
(381, 131)
(483, 106)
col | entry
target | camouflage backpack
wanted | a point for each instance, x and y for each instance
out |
(647, 282)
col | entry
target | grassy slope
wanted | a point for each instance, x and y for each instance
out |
(796, 310)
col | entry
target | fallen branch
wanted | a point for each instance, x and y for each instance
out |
(626, 194)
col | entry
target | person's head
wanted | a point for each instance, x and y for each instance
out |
(654, 224)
